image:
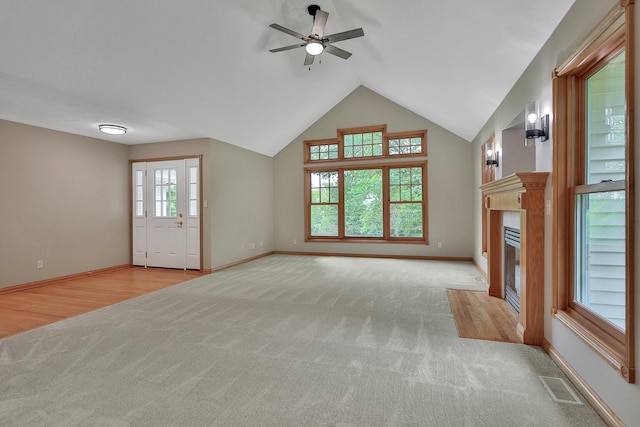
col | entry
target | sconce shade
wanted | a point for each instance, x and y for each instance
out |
(535, 126)
(493, 159)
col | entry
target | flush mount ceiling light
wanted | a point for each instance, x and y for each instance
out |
(112, 129)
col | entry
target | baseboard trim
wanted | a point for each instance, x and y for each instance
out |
(418, 257)
(47, 282)
(592, 397)
(480, 269)
(236, 263)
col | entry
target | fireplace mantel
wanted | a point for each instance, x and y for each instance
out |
(521, 192)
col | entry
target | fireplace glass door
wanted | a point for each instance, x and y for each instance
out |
(512, 267)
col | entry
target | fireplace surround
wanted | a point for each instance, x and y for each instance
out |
(523, 193)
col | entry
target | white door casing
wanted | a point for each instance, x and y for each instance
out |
(166, 217)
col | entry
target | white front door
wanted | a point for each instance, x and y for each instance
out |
(166, 217)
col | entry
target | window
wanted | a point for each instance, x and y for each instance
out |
(593, 208)
(362, 143)
(166, 196)
(366, 143)
(599, 224)
(139, 193)
(322, 150)
(324, 197)
(374, 202)
(367, 203)
(193, 190)
(406, 143)
(405, 199)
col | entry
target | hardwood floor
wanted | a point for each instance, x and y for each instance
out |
(480, 316)
(28, 309)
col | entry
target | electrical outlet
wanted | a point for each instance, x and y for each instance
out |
(40, 264)
(439, 245)
(260, 242)
(295, 241)
(252, 245)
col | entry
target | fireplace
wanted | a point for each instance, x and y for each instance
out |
(517, 269)
(512, 267)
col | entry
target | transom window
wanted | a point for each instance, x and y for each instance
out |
(323, 150)
(366, 143)
(362, 144)
(406, 144)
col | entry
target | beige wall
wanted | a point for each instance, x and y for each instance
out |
(241, 204)
(192, 147)
(536, 83)
(238, 189)
(64, 201)
(449, 174)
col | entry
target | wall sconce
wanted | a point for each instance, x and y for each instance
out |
(493, 160)
(535, 127)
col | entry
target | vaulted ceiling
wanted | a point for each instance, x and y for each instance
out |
(172, 70)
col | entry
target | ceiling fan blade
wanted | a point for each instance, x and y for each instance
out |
(319, 22)
(351, 34)
(308, 60)
(290, 32)
(280, 49)
(337, 51)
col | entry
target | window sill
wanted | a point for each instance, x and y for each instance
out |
(365, 240)
(607, 347)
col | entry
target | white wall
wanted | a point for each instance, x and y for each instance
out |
(449, 178)
(64, 201)
(536, 83)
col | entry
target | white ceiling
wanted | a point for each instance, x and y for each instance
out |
(171, 70)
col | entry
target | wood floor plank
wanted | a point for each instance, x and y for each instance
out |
(28, 309)
(480, 316)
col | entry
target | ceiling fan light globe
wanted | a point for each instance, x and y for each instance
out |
(314, 48)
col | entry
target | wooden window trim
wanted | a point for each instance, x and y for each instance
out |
(424, 240)
(411, 134)
(616, 347)
(488, 175)
(365, 129)
(316, 142)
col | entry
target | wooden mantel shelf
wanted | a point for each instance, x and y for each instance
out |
(506, 193)
(520, 192)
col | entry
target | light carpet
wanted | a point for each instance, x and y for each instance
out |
(282, 341)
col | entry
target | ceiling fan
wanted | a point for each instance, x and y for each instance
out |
(317, 42)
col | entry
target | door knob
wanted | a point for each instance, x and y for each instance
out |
(179, 223)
